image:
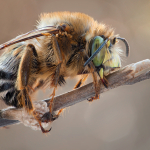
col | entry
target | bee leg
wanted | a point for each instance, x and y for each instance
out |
(43, 130)
(51, 102)
(81, 81)
(96, 82)
(23, 79)
(57, 115)
(56, 76)
(95, 76)
(105, 82)
(49, 117)
(102, 77)
(56, 48)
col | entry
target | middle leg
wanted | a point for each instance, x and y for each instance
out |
(81, 81)
(48, 117)
(58, 55)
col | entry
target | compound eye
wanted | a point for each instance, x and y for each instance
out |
(99, 58)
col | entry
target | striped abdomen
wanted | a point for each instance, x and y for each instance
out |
(9, 64)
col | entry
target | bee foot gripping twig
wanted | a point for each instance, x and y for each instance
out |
(48, 117)
(24, 117)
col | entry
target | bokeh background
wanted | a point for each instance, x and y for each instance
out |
(120, 120)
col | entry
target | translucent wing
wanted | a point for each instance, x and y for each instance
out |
(30, 35)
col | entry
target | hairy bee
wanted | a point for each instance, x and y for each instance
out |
(65, 44)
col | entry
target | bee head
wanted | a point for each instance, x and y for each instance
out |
(98, 47)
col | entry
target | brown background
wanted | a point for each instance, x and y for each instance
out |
(120, 120)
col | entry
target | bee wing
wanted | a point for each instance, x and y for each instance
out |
(30, 35)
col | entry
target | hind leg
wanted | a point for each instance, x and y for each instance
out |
(23, 77)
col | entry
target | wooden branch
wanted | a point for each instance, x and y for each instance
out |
(128, 75)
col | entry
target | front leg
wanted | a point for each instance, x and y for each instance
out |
(95, 75)
(96, 83)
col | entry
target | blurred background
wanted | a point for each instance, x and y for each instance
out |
(120, 120)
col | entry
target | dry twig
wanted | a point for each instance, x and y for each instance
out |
(128, 75)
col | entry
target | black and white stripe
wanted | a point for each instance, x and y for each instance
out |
(8, 74)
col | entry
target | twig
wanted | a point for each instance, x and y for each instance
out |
(128, 75)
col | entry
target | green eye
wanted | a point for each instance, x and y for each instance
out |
(99, 58)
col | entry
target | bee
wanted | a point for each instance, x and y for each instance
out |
(64, 44)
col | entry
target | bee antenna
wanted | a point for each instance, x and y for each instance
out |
(95, 53)
(126, 44)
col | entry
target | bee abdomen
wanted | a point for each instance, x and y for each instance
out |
(6, 86)
(11, 98)
(8, 93)
(7, 80)
(9, 64)
(7, 75)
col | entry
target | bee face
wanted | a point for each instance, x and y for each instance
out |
(64, 45)
(108, 56)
